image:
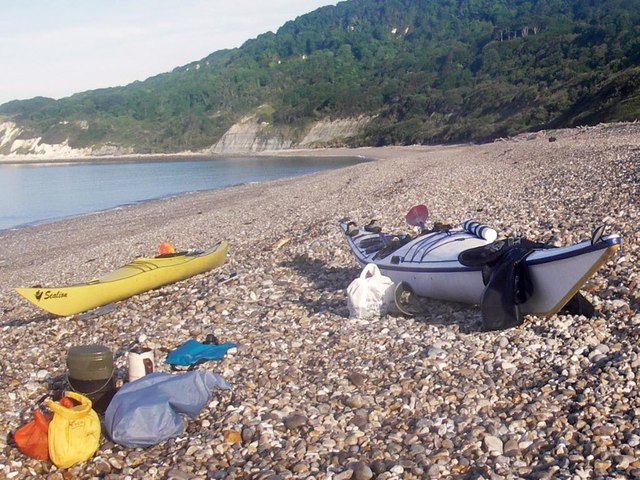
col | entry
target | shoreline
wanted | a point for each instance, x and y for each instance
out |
(316, 394)
(346, 158)
(16, 159)
(32, 159)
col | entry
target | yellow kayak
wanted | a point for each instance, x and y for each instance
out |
(138, 276)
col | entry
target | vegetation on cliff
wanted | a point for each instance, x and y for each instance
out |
(429, 71)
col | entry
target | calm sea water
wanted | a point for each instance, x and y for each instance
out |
(33, 194)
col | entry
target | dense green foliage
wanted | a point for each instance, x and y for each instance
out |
(428, 70)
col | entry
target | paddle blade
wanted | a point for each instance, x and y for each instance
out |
(417, 216)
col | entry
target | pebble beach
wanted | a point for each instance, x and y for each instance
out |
(318, 395)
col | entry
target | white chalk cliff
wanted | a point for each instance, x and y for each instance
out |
(250, 136)
(12, 146)
(245, 137)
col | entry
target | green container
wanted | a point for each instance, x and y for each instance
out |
(90, 372)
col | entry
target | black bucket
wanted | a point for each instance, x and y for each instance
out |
(90, 372)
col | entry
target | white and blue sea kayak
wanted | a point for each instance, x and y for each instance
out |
(430, 264)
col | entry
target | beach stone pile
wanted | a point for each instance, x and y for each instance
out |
(318, 395)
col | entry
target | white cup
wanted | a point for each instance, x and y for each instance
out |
(141, 362)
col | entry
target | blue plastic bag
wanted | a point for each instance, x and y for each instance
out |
(148, 410)
(193, 352)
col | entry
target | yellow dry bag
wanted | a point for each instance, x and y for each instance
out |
(74, 433)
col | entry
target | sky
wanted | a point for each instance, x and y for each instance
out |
(55, 48)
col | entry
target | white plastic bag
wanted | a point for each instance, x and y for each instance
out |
(371, 294)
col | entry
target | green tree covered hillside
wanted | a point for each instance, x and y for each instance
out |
(428, 71)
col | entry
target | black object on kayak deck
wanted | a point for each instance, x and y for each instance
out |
(508, 286)
(508, 283)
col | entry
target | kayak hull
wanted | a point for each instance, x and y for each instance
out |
(140, 275)
(429, 264)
